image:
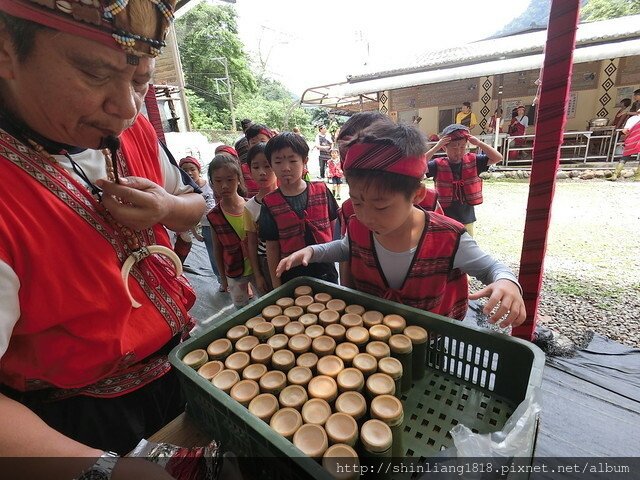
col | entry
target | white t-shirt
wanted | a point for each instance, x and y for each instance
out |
(631, 122)
(93, 164)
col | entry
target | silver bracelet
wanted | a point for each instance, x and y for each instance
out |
(102, 469)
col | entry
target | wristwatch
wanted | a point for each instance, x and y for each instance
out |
(102, 469)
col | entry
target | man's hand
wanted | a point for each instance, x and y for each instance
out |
(301, 257)
(136, 202)
(507, 294)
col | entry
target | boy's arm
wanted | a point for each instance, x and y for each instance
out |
(252, 245)
(217, 246)
(273, 258)
(437, 147)
(494, 155)
(345, 274)
(502, 286)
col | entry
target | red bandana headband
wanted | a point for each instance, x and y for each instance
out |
(266, 131)
(190, 160)
(388, 158)
(96, 20)
(227, 149)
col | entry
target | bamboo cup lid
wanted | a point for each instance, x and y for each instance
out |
(311, 440)
(316, 411)
(299, 376)
(278, 341)
(293, 396)
(293, 328)
(378, 349)
(337, 305)
(262, 353)
(418, 335)
(351, 320)
(323, 387)
(309, 360)
(211, 369)
(308, 319)
(246, 344)
(272, 381)
(237, 361)
(380, 333)
(294, 312)
(376, 436)
(300, 343)
(254, 372)
(225, 380)
(219, 349)
(357, 335)
(335, 331)
(244, 391)
(328, 317)
(390, 366)
(285, 302)
(264, 330)
(371, 318)
(330, 365)
(355, 309)
(304, 301)
(381, 384)
(352, 403)
(350, 379)
(302, 290)
(283, 360)
(323, 345)
(342, 428)
(366, 363)
(264, 406)
(322, 297)
(253, 321)
(286, 422)
(347, 352)
(396, 323)
(196, 358)
(314, 331)
(399, 343)
(279, 322)
(236, 333)
(388, 409)
(336, 457)
(271, 311)
(316, 308)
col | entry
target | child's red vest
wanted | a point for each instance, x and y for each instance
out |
(232, 255)
(467, 190)
(431, 283)
(291, 226)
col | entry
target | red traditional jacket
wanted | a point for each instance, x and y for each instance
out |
(232, 254)
(468, 189)
(77, 330)
(431, 283)
(252, 186)
(291, 226)
(428, 203)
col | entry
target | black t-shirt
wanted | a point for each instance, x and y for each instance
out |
(460, 211)
(269, 231)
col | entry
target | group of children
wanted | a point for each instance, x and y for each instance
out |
(394, 243)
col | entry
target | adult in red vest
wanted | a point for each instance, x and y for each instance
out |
(401, 252)
(83, 363)
(456, 176)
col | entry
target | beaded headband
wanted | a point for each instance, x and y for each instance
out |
(99, 20)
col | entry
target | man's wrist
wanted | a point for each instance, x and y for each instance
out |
(102, 469)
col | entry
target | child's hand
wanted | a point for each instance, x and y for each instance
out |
(443, 141)
(301, 257)
(508, 295)
(474, 140)
(261, 284)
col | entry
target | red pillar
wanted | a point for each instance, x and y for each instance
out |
(551, 119)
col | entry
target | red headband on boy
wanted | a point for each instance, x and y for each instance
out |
(388, 158)
(227, 149)
(266, 131)
(190, 160)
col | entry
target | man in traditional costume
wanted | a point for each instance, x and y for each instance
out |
(91, 296)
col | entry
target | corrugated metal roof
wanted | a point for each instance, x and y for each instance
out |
(509, 47)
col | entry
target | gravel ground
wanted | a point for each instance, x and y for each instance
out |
(592, 265)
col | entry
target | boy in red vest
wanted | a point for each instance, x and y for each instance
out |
(298, 213)
(401, 252)
(456, 176)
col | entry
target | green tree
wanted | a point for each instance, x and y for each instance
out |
(206, 34)
(605, 9)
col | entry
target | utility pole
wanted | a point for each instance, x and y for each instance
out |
(226, 81)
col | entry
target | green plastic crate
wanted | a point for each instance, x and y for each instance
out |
(473, 377)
